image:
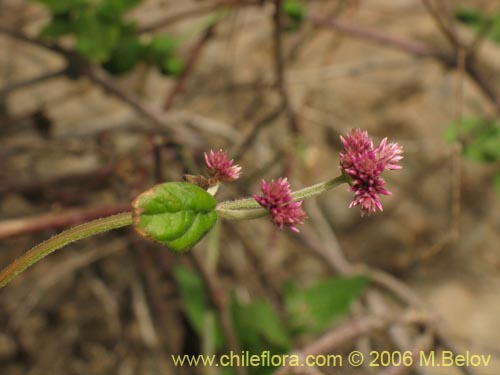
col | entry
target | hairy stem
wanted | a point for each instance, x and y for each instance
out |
(248, 208)
(62, 239)
(241, 214)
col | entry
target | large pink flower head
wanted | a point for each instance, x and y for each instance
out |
(277, 199)
(220, 167)
(364, 163)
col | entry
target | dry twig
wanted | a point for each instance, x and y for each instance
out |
(39, 223)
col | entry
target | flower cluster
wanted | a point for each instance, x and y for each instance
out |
(364, 164)
(277, 199)
(220, 167)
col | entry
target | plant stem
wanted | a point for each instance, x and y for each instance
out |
(241, 214)
(62, 239)
(235, 210)
(320, 188)
(249, 208)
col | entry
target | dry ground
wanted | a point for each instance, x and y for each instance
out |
(88, 309)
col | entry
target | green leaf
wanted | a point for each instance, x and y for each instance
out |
(61, 24)
(125, 56)
(96, 39)
(471, 17)
(175, 214)
(458, 130)
(195, 302)
(480, 139)
(114, 9)
(160, 48)
(494, 32)
(295, 12)
(294, 9)
(258, 326)
(312, 309)
(172, 66)
(477, 20)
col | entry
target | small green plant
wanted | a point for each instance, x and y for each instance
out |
(103, 35)
(310, 310)
(179, 214)
(258, 326)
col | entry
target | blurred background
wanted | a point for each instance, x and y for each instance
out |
(100, 100)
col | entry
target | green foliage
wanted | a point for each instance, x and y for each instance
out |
(260, 329)
(294, 9)
(313, 309)
(480, 139)
(60, 25)
(103, 35)
(258, 326)
(94, 38)
(161, 52)
(474, 18)
(172, 66)
(471, 17)
(195, 302)
(295, 12)
(125, 56)
(175, 214)
(161, 47)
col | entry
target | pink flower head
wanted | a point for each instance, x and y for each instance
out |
(220, 167)
(277, 199)
(364, 164)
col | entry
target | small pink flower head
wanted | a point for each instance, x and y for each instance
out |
(364, 164)
(277, 199)
(220, 167)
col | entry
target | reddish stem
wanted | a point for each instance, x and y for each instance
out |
(60, 220)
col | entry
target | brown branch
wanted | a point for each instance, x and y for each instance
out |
(31, 40)
(185, 14)
(481, 35)
(190, 64)
(443, 24)
(59, 220)
(219, 300)
(37, 185)
(11, 87)
(266, 119)
(279, 64)
(416, 49)
(148, 265)
(78, 66)
(334, 257)
(409, 46)
(179, 134)
(424, 343)
(190, 13)
(484, 83)
(350, 331)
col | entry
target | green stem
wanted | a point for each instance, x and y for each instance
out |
(241, 214)
(320, 188)
(62, 239)
(248, 208)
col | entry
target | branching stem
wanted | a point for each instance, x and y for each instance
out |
(242, 209)
(248, 208)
